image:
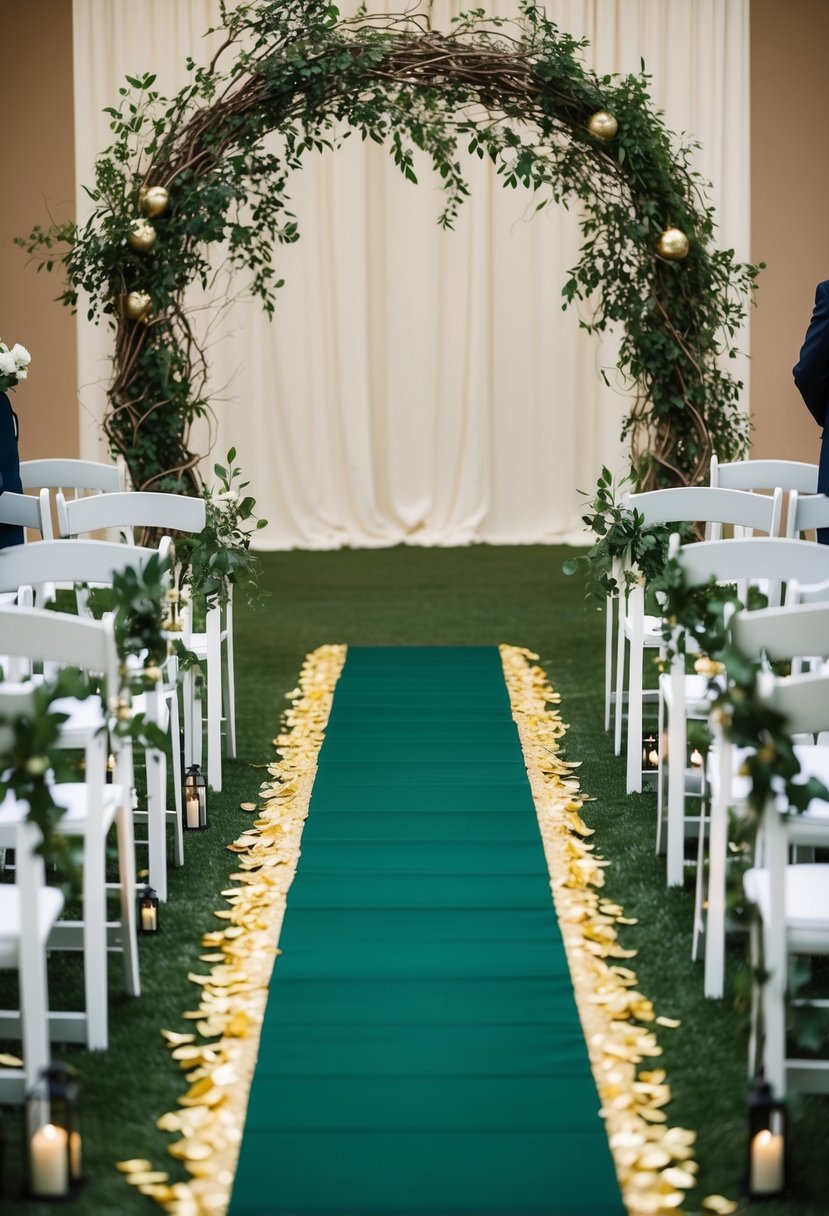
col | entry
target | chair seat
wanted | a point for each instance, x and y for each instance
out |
(697, 694)
(651, 632)
(807, 903)
(814, 762)
(50, 901)
(73, 796)
(85, 718)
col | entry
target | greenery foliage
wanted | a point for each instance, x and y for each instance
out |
(219, 556)
(626, 548)
(516, 93)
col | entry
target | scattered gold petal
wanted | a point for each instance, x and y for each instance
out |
(653, 1160)
(133, 1165)
(7, 1061)
(142, 1177)
(670, 1023)
(719, 1204)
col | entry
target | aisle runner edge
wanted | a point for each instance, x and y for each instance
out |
(234, 991)
(654, 1162)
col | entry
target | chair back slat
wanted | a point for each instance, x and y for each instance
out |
(765, 475)
(783, 633)
(58, 473)
(706, 504)
(130, 508)
(67, 561)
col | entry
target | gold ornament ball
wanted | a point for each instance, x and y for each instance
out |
(673, 245)
(137, 305)
(603, 125)
(153, 673)
(153, 200)
(142, 236)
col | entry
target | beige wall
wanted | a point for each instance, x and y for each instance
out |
(789, 193)
(36, 113)
(790, 186)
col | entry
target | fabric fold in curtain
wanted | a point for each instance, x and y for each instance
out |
(415, 385)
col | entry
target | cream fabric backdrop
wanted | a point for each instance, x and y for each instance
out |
(416, 385)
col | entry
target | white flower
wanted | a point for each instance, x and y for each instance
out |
(21, 373)
(36, 766)
(225, 499)
(21, 355)
(8, 363)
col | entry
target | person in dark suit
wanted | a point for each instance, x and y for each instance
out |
(811, 375)
(10, 534)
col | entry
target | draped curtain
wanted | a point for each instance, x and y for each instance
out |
(416, 385)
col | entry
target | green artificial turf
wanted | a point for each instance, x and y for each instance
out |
(478, 595)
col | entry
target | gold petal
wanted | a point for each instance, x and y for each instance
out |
(719, 1204)
(133, 1165)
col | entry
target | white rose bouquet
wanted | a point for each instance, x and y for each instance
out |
(14, 365)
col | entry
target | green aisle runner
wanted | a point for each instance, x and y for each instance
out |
(421, 1051)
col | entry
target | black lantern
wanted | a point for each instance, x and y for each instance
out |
(148, 911)
(54, 1142)
(195, 799)
(650, 753)
(767, 1167)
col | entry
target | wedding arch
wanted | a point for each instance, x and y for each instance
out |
(191, 175)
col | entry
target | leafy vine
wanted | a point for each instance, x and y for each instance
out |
(188, 177)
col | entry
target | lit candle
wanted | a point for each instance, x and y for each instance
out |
(766, 1163)
(75, 1156)
(149, 918)
(191, 809)
(653, 757)
(696, 758)
(50, 1163)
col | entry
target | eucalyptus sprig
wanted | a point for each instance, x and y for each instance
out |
(626, 547)
(31, 761)
(220, 555)
(735, 682)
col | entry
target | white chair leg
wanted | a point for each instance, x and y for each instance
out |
(214, 698)
(775, 958)
(95, 941)
(717, 862)
(620, 677)
(676, 775)
(156, 761)
(660, 777)
(34, 1005)
(608, 660)
(635, 664)
(230, 681)
(175, 813)
(127, 895)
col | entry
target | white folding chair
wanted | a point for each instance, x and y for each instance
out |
(27, 511)
(792, 900)
(173, 513)
(92, 807)
(807, 513)
(59, 473)
(775, 560)
(28, 912)
(784, 633)
(214, 647)
(96, 562)
(764, 475)
(637, 631)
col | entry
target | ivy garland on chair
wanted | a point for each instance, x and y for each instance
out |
(190, 176)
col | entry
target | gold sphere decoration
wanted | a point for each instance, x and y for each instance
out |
(603, 125)
(152, 673)
(673, 245)
(153, 200)
(142, 236)
(137, 305)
